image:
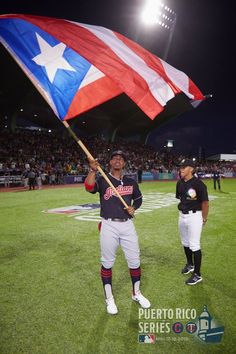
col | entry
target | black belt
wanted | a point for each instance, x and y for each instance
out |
(116, 219)
(188, 211)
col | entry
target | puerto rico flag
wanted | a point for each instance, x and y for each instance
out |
(78, 66)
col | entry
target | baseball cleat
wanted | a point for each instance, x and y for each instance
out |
(143, 302)
(194, 279)
(111, 306)
(188, 268)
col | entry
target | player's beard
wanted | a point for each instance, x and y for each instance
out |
(116, 169)
(116, 172)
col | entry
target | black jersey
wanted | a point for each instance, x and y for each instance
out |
(191, 194)
(111, 206)
(216, 175)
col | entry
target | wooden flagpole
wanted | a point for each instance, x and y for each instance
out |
(83, 147)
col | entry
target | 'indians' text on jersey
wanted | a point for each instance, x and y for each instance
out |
(111, 206)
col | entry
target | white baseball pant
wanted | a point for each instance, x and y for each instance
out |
(113, 234)
(190, 228)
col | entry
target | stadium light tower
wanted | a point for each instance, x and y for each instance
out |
(156, 12)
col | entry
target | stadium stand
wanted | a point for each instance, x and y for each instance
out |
(57, 159)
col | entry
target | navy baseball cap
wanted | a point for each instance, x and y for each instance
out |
(118, 152)
(187, 162)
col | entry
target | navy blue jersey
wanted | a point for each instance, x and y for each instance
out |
(111, 206)
(191, 194)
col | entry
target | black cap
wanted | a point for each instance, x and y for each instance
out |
(187, 162)
(118, 152)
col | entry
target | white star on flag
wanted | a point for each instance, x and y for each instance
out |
(51, 58)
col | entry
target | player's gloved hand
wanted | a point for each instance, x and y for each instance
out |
(130, 210)
(93, 164)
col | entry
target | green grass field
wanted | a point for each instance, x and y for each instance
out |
(51, 295)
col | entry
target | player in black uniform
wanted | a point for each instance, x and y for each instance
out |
(216, 177)
(117, 227)
(193, 211)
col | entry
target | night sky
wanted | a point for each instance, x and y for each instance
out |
(202, 47)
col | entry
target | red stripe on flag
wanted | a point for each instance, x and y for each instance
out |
(151, 60)
(92, 95)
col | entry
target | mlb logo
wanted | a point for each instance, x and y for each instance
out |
(146, 338)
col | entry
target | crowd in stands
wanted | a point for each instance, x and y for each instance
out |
(49, 156)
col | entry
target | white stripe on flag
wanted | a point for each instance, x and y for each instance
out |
(178, 77)
(157, 85)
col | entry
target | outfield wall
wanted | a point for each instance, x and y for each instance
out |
(155, 176)
(147, 176)
(10, 181)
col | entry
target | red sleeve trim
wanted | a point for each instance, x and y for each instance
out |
(89, 187)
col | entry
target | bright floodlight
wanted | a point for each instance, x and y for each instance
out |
(170, 143)
(155, 12)
(151, 12)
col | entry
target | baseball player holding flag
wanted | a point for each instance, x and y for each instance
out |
(117, 227)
